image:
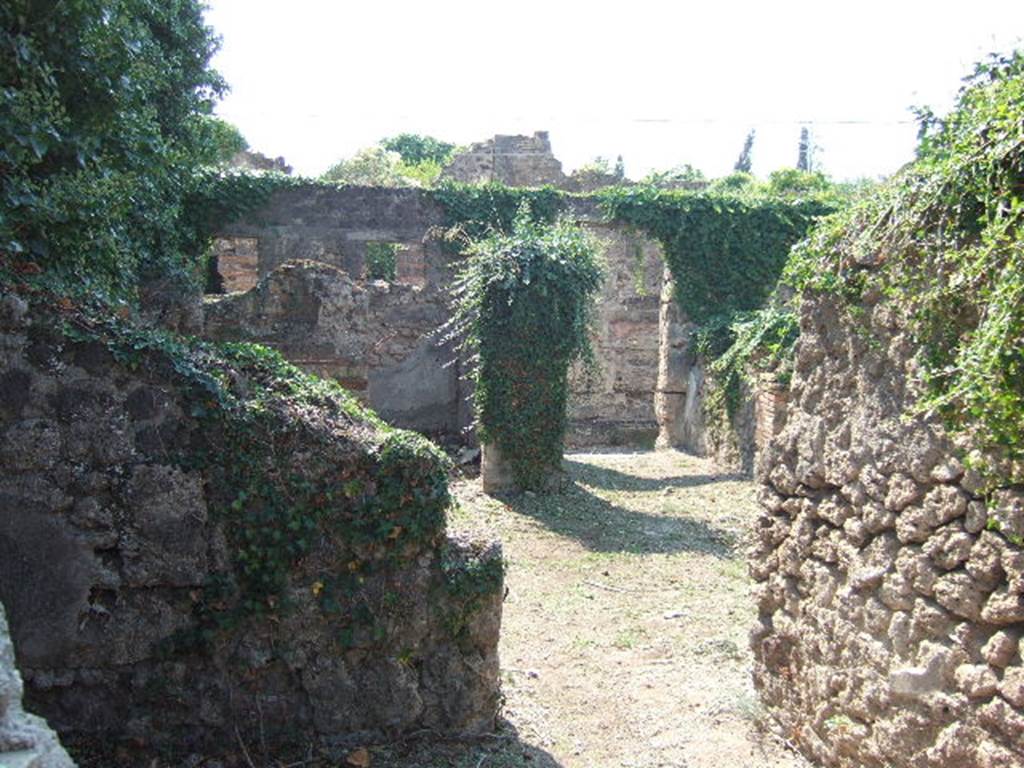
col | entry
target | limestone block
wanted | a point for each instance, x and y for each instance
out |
(1003, 607)
(977, 681)
(1012, 686)
(1000, 648)
(949, 547)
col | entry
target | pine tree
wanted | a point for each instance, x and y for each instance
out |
(744, 162)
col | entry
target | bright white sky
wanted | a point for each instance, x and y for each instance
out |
(661, 82)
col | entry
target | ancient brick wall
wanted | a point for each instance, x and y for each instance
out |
(375, 338)
(616, 405)
(890, 588)
(334, 225)
(734, 441)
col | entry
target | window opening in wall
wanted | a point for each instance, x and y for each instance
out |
(233, 264)
(382, 261)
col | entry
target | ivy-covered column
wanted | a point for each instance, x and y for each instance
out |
(670, 391)
(523, 305)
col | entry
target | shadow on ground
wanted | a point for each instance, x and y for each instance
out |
(613, 480)
(603, 526)
(504, 749)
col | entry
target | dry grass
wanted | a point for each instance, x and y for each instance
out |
(624, 636)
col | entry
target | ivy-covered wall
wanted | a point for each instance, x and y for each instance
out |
(198, 538)
(890, 550)
(387, 358)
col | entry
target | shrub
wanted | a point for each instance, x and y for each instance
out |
(944, 239)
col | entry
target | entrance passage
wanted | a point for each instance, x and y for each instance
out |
(624, 638)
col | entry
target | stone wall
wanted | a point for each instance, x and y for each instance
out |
(616, 405)
(26, 741)
(734, 441)
(890, 589)
(378, 338)
(117, 557)
(373, 337)
(334, 225)
(516, 161)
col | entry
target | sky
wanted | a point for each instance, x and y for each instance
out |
(661, 83)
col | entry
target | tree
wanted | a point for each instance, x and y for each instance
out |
(221, 141)
(683, 176)
(103, 106)
(415, 149)
(370, 167)
(743, 163)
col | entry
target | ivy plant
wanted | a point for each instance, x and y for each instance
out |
(523, 303)
(104, 115)
(945, 240)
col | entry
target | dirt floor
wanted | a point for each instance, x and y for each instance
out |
(624, 639)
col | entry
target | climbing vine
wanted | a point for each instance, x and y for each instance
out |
(725, 253)
(523, 302)
(758, 341)
(945, 239)
(275, 480)
(474, 211)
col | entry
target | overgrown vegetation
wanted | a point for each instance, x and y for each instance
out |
(523, 303)
(112, 177)
(382, 260)
(945, 239)
(104, 116)
(282, 479)
(726, 249)
(725, 253)
(751, 342)
(406, 160)
(475, 211)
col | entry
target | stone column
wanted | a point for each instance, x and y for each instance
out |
(673, 373)
(495, 472)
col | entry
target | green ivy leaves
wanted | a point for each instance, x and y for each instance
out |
(945, 238)
(523, 301)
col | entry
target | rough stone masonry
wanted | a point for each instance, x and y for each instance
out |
(113, 542)
(890, 590)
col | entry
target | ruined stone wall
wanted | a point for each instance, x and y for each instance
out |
(734, 441)
(378, 339)
(616, 405)
(334, 225)
(517, 161)
(373, 337)
(114, 544)
(890, 591)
